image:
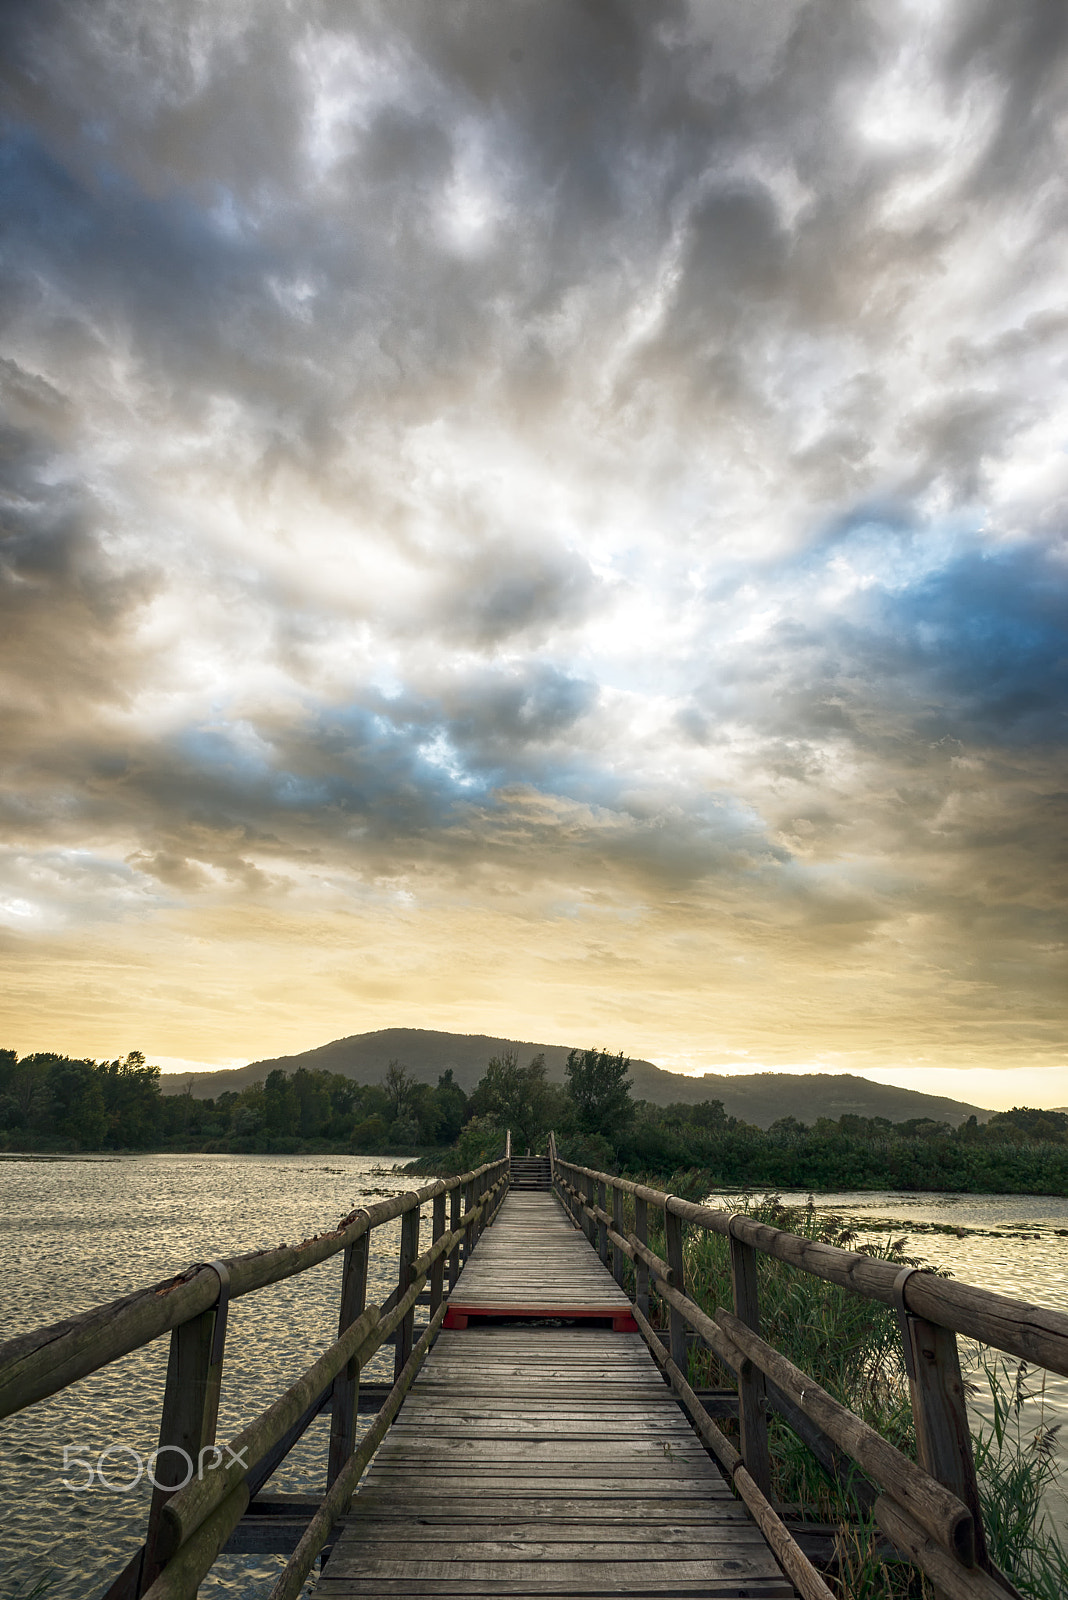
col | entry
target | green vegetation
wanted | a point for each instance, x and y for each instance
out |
(1016, 1468)
(1022, 1151)
(852, 1347)
(49, 1102)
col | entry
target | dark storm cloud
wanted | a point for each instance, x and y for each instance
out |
(984, 645)
(63, 605)
(561, 443)
(1022, 50)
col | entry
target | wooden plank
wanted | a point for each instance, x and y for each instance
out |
(587, 1477)
(612, 1562)
(379, 1507)
(578, 1537)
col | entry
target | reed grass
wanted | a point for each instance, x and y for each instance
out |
(1016, 1468)
(852, 1346)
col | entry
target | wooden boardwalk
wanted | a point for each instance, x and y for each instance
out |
(544, 1460)
(533, 1260)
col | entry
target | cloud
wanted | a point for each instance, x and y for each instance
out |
(598, 461)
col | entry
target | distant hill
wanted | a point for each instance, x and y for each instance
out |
(759, 1097)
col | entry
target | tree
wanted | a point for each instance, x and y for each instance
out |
(131, 1090)
(313, 1098)
(599, 1086)
(400, 1089)
(452, 1105)
(281, 1108)
(515, 1097)
(77, 1102)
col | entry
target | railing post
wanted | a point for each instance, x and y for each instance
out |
(752, 1390)
(943, 1437)
(190, 1413)
(455, 1203)
(437, 1271)
(677, 1262)
(480, 1190)
(589, 1196)
(469, 1226)
(409, 1250)
(347, 1382)
(641, 1271)
(602, 1227)
(618, 1258)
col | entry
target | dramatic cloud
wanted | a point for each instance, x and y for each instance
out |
(538, 517)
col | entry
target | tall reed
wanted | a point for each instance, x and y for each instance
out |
(852, 1346)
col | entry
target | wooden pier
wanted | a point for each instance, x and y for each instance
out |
(540, 1435)
(581, 1476)
(534, 1263)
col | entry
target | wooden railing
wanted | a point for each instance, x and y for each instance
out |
(929, 1510)
(202, 1491)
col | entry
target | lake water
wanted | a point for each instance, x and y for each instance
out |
(79, 1233)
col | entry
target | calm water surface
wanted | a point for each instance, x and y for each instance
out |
(78, 1233)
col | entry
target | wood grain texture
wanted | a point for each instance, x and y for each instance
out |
(538, 1459)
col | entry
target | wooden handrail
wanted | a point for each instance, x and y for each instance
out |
(791, 1557)
(930, 1511)
(190, 1507)
(1036, 1334)
(36, 1364)
(191, 1519)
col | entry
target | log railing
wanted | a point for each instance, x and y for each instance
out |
(928, 1509)
(195, 1508)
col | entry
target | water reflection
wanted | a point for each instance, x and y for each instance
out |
(76, 1234)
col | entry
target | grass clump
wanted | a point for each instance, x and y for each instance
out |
(1016, 1470)
(852, 1347)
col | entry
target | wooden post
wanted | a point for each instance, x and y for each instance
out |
(437, 1271)
(455, 1202)
(943, 1438)
(190, 1413)
(409, 1250)
(618, 1258)
(589, 1195)
(347, 1382)
(469, 1202)
(677, 1262)
(641, 1271)
(480, 1189)
(752, 1392)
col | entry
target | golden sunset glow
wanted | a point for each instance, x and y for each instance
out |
(538, 520)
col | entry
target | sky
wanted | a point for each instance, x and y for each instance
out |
(538, 518)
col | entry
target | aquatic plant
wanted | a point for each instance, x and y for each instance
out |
(1017, 1468)
(852, 1346)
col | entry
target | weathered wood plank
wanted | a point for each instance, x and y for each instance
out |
(590, 1479)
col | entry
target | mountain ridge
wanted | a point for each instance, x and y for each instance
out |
(759, 1098)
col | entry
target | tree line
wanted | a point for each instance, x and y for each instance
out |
(50, 1102)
